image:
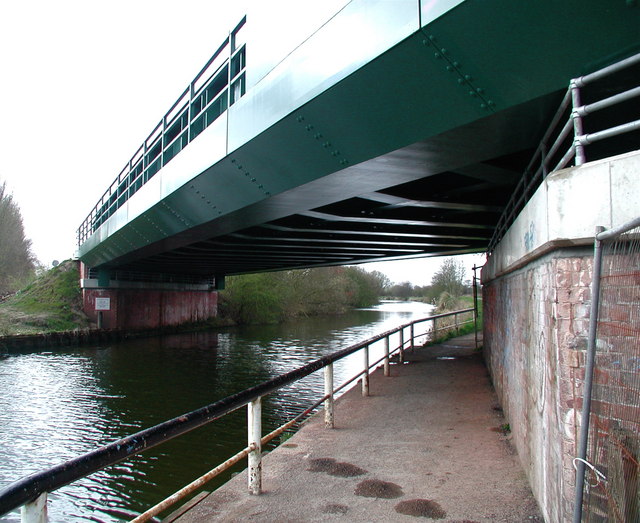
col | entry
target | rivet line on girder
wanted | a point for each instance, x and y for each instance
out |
(152, 222)
(176, 214)
(131, 245)
(318, 136)
(454, 66)
(144, 238)
(251, 178)
(204, 197)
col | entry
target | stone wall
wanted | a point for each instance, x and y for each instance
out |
(536, 325)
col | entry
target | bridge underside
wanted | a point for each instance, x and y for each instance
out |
(441, 196)
(409, 156)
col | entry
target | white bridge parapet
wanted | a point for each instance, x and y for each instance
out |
(566, 208)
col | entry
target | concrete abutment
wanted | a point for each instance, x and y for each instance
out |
(537, 300)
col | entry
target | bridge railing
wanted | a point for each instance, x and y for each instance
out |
(566, 126)
(30, 492)
(218, 85)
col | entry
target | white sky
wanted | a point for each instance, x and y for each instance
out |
(82, 84)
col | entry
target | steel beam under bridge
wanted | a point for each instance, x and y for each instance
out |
(395, 129)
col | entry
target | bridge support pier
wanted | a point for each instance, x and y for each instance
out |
(132, 305)
(537, 301)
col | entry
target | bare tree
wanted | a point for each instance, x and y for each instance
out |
(449, 278)
(17, 262)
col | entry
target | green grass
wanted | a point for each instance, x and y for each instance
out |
(465, 329)
(52, 302)
(463, 302)
(466, 302)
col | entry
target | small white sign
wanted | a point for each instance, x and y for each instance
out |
(103, 304)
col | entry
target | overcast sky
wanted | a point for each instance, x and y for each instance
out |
(82, 85)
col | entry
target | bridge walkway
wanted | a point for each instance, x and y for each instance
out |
(429, 441)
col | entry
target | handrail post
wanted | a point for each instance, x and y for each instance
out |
(401, 352)
(254, 433)
(412, 336)
(328, 391)
(435, 330)
(36, 511)
(577, 123)
(455, 319)
(387, 370)
(475, 304)
(365, 375)
(20, 493)
(545, 172)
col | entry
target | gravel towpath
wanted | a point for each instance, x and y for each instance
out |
(429, 443)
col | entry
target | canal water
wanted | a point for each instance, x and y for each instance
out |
(57, 405)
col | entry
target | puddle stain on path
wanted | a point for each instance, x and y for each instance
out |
(421, 508)
(375, 488)
(335, 468)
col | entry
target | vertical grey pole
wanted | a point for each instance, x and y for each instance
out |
(543, 162)
(387, 370)
(435, 330)
(412, 336)
(328, 391)
(577, 123)
(475, 304)
(36, 511)
(401, 352)
(365, 376)
(254, 433)
(588, 377)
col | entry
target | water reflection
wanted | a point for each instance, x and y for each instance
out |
(55, 406)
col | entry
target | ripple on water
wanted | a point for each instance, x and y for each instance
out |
(55, 406)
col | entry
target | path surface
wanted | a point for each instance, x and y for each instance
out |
(426, 443)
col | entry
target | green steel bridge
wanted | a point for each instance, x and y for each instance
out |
(383, 130)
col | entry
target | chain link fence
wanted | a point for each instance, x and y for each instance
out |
(608, 464)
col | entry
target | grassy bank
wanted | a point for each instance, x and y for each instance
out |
(448, 324)
(51, 303)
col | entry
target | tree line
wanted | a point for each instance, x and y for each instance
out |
(447, 285)
(17, 262)
(278, 296)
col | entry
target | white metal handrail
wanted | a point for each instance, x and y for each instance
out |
(104, 208)
(254, 423)
(30, 493)
(544, 153)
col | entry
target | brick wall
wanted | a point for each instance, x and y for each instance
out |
(536, 325)
(150, 309)
(615, 410)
